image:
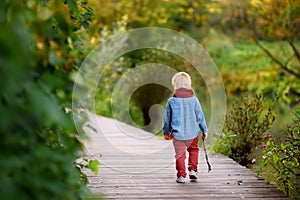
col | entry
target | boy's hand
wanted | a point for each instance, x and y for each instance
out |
(169, 136)
(204, 136)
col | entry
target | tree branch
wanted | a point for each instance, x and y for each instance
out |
(282, 66)
(296, 52)
(255, 37)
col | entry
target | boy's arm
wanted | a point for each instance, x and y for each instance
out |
(201, 119)
(167, 121)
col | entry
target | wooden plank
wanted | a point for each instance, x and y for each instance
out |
(137, 165)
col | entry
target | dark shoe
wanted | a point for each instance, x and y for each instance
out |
(193, 175)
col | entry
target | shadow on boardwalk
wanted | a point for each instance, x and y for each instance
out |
(137, 165)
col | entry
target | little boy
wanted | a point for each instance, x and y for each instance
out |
(183, 121)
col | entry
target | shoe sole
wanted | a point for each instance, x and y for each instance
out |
(193, 177)
(180, 181)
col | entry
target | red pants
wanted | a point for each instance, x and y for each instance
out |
(181, 146)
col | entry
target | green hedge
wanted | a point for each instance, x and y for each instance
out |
(39, 143)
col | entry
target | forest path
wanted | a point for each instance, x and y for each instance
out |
(138, 165)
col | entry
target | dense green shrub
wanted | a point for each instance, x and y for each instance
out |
(39, 143)
(248, 119)
(281, 159)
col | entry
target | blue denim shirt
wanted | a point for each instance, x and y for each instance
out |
(184, 118)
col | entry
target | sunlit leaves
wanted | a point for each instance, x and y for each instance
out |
(278, 19)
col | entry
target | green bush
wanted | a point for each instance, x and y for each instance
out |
(248, 119)
(281, 160)
(39, 143)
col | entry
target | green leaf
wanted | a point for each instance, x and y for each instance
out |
(94, 166)
(297, 113)
(85, 24)
(72, 4)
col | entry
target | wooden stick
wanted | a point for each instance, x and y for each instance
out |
(206, 157)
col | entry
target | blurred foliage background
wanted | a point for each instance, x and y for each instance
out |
(254, 43)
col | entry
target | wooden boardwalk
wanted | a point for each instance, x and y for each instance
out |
(137, 165)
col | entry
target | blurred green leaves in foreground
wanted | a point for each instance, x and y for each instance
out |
(39, 143)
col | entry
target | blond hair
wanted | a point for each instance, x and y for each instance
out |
(182, 80)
